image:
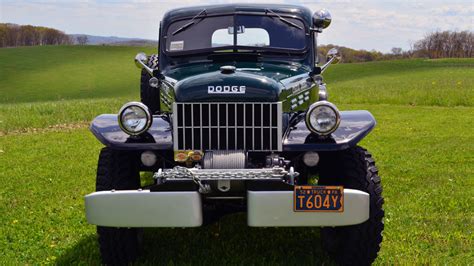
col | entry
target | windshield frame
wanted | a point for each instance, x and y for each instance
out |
(236, 48)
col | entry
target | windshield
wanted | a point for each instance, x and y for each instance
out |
(218, 33)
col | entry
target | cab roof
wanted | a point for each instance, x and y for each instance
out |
(212, 10)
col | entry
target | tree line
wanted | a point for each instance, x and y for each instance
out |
(446, 44)
(12, 35)
(438, 44)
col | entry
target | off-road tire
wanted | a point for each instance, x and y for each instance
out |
(118, 170)
(356, 244)
(150, 96)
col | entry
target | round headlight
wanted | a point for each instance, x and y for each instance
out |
(322, 118)
(134, 118)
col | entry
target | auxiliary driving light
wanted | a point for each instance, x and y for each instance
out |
(322, 118)
(148, 158)
(134, 118)
(311, 158)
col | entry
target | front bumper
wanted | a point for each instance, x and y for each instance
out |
(143, 208)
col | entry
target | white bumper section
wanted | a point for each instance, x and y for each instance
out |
(133, 208)
(275, 208)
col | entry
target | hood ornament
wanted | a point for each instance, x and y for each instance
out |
(228, 69)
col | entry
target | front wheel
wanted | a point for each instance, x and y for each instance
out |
(356, 244)
(118, 170)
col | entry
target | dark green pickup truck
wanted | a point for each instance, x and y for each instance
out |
(234, 117)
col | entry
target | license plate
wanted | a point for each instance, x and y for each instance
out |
(318, 199)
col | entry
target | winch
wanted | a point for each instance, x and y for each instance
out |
(224, 160)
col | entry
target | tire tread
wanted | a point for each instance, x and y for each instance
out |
(356, 244)
(117, 170)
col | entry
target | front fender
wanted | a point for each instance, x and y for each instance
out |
(107, 130)
(354, 126)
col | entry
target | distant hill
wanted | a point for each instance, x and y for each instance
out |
(114, 40)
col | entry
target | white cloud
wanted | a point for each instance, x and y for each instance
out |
(381, 25)
(361, 24)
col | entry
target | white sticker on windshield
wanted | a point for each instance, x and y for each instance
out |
(177, 46)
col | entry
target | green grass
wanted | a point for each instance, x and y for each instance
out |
(408, 82)
(423, 145)
(33, 74)
(50, 73)
(427, 175)
(22, 116)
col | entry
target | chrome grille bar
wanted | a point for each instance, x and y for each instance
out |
(227, 126)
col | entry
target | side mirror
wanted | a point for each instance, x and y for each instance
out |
(140, 59)
(141, 62)
(321, 20)
(334, 56)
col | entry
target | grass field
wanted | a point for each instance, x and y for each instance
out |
(423, 145)
(34, 74)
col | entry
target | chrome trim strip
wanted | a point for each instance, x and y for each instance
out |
(200, 126)
(184, 125)
(218, 129)
(174, 119)
(271, 123)
(279, 126)
(307, 90)
(235, 123)
(210, 125)
(226, 126)
(253, 127)
(295, 79)
(225, 198)
(245, 127)
(170, 80)
(261, 126)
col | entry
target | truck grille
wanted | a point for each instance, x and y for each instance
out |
(227, 126)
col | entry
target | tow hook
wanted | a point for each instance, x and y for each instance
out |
(292, 174)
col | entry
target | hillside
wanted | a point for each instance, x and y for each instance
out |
(84, 72)
(32, 74)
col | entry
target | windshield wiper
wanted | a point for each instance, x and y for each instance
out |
(284, 19)
(190, 23)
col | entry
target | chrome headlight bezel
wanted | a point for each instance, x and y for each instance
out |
(313, 107)
(148, 117)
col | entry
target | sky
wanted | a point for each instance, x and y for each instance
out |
(362, 24)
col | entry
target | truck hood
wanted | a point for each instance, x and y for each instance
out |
(248, 83)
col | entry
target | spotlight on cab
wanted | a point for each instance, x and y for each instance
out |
(321, 20)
